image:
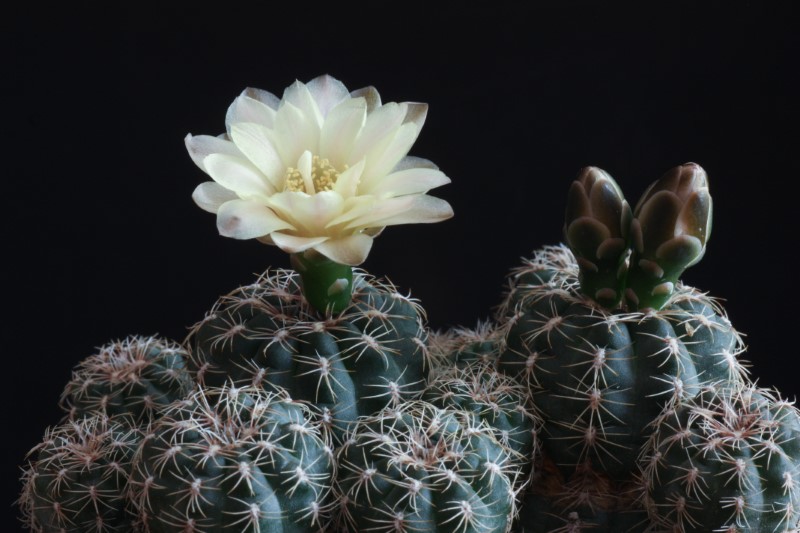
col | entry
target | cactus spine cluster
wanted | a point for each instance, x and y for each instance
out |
(354, 363)
(725, 460)
(237, 458)
(78, 480)
(136, 376)
(421, 468)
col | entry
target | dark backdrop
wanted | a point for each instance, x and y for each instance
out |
(103, 240)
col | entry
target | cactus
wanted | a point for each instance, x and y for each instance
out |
(600, 377)
(78, 481)
(586, 502)
(496, 399)
(136, 376)
(725, 460)
(600, 373)
(237, 458)
(462, 346)
(355, 363)
(420, 468)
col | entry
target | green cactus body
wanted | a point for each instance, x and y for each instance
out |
(420, 468)
(599, 377)
(726, 460)
(355, 363)
(463, 346)
(78, 481)
(498, 400)
(136, 377)
(238, 459)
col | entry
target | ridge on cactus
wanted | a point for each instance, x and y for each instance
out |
(78, 481)
(420, 468)
(494, 398)
(234, 458)
(725, 460)
(599, 374)
(371, 355)
(136, 376)
(319, 173)
(461, 346)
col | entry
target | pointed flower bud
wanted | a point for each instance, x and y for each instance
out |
(596, 229)
(672, 223)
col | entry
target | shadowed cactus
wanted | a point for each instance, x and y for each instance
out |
(499, 401)
(370, 355)
(234, 458)
(726, 460)
(78, 481)
(420, 468)
(463, 346)
(136, 376)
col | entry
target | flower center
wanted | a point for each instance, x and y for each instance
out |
(323, 177)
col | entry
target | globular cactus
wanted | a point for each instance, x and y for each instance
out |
(586, 502)
(78, 480)
(727, 460)
(599, 377)
(136, 376)
(600, 374)
(238, 459)
(461, 346)
(495, 399)
(350, 364)
(421, 468)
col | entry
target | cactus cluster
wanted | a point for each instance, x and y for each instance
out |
(604, 395)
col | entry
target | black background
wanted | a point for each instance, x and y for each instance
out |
(102, 238)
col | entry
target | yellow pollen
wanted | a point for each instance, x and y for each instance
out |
(323, 177)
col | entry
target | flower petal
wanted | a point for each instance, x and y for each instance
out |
(384, 157)
(210, 195)
(294, 244)
(416, 113)
(328, 92)
(309, 213)
(370, 94)
(265, 97)
(248, 109)
(299, 96)
(379, 128)
(255, 143)
(238, 175)
(294, 133)
(341, 129)
(411, 161)
(403, 210)
(410, 181)
(351, 250)
(348, 181)
(201, 146)
(248, 219)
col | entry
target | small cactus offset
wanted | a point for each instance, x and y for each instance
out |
(234, 458)
(136, 376)
(462, 346)
(370, 355)
(727, 460)
(78, 481)
(421, 468)
(494, 398)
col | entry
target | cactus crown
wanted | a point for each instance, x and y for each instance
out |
(637, 257)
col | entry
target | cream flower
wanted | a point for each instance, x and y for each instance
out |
(321, 168)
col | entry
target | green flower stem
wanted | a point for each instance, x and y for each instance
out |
(327, 285)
